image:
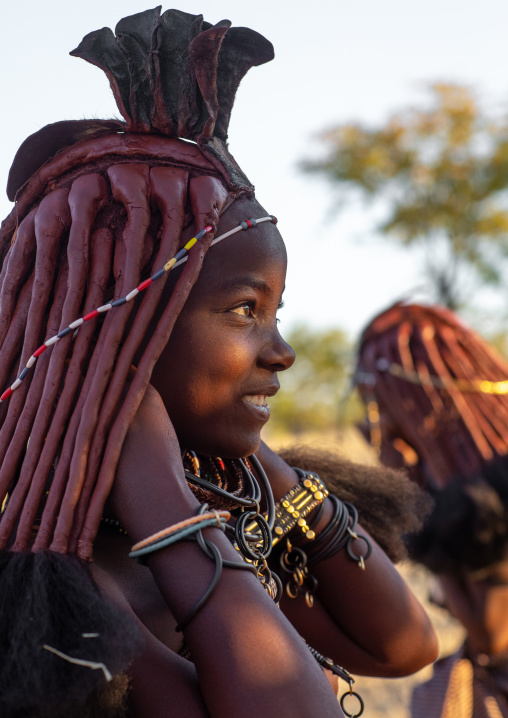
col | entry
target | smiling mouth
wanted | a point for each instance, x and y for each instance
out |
(257, 400)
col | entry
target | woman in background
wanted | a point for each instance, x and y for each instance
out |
(437, 404)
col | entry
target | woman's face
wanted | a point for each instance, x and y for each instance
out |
(220, 366)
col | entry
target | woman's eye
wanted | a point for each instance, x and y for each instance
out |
(280, 305)
(244, 310)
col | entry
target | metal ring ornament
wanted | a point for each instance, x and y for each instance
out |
(298, 576)
(311, 583)
(292, 589)
(278, 585)
(263, 539)
(262, 566)
(351, 693)
(359, 559)
(293, 559)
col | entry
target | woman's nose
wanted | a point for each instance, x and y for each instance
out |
(277, 355)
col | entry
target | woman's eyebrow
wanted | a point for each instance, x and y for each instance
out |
(246, 282)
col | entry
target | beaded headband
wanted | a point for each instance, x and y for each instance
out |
(179, 258)
(465, 386)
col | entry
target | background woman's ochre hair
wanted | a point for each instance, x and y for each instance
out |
(441, 391)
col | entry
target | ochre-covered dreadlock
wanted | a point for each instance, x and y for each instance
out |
(100, 205)
(435, 391)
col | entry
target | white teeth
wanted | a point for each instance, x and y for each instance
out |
(256, 399)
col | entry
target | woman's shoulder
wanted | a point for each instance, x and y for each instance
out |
(131, 587)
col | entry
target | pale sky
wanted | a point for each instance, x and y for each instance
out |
(335, 61)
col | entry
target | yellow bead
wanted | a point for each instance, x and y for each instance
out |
(169, 264)
(307, 483)
(313, 487)
(279, 530)
(311, 535)
(319, 495)
(301, 522)
(285, 503)
(296, 513)
(290, 508)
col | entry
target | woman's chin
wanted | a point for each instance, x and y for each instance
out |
(238, 449)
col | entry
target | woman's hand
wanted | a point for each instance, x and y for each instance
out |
(150, 491)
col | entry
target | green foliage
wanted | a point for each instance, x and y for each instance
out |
(443, 174)
(313, 392)
(499, 340)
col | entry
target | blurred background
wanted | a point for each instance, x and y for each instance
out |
(378, 137)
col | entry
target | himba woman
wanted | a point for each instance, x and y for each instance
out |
(437, 404)
(125, 381)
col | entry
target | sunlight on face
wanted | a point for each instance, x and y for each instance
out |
(220, 366)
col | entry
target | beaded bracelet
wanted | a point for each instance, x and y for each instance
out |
(191, 530)
(293, 508)
(340, 533)
(204, 598)
(216, 517)
(172, 538)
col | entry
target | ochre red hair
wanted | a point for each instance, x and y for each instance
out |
(453, 429)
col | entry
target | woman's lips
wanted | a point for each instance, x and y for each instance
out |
(259, 403)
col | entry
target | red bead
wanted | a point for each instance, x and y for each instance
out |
(144, 284)
(6, 394)
(90, 315)
(40, 350)
(248, 223)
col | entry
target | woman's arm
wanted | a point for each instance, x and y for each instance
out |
(158, 677)
(249, 659)
(368, 621)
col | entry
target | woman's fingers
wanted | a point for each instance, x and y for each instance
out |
(150, 490)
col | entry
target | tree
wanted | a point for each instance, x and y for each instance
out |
(442, 174)
(312, 393)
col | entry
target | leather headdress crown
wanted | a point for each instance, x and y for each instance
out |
(172, 74)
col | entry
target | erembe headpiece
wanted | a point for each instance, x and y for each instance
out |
(172, 75)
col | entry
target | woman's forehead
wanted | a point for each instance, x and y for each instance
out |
(257, 255)
(263, 242)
